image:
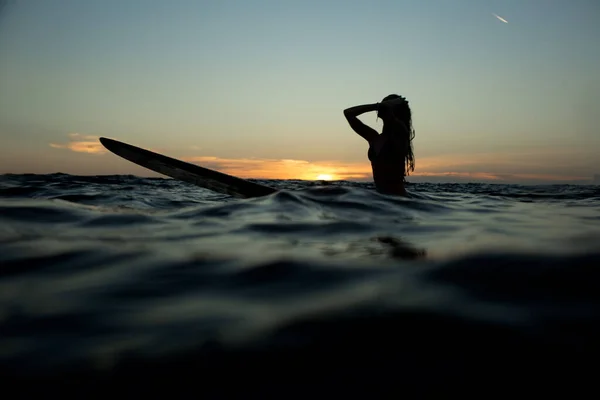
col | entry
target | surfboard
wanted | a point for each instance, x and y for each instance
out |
(186, 172)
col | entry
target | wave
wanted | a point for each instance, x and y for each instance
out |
(149, 285)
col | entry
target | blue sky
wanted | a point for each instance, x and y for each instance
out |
(242, 86)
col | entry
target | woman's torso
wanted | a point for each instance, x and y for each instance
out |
(387, 155)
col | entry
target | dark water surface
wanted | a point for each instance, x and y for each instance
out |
(118, 285)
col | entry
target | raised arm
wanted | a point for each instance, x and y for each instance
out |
(368, 133)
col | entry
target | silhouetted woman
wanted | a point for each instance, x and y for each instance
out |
(390, 152)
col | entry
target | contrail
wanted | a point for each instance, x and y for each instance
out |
(500, 18)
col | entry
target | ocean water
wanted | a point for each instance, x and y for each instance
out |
(120, 285)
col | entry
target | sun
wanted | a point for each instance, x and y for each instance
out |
(324, 177)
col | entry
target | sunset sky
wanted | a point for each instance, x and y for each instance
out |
(501, 90)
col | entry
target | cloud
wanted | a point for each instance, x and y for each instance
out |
(471, 175)
(494, 177)
(549, 164)
(82, 144)
(284, 168)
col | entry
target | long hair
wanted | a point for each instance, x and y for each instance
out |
(404, 114)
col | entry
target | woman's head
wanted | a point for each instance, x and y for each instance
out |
(398, 108)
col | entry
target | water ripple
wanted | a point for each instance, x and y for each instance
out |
(118, 284)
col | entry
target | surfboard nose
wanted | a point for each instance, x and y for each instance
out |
(105, 141)
(183, 171)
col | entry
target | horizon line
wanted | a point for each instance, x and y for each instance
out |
(443, 179)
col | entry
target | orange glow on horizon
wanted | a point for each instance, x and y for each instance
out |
(324, 177)
(463, 166)
(285, 168)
